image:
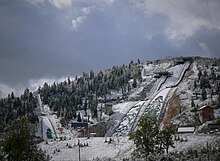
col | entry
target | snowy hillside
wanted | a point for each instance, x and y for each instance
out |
(172, 90)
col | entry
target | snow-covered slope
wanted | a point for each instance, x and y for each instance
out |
(127, 114)
(156, 101)
(47, 121)
(97, 147)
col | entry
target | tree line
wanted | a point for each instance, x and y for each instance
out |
(13, 107)
(85, 92)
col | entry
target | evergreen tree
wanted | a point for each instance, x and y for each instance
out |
(192, 103)
(167, 137)
(20, 144)
(145, 137)
(85, 106)
(12, 95)
(219, 99)
(203, 94)
(200, 74)
(134, 84)
(195, 84)
(69, 81)
(79, 119)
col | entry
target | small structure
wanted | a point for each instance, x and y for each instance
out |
(99, 129)
(161, 73)
(187, 59)
(79, 125)
(214, 127)
(179, 61)
(206, 113)
(92, 134)
(182, 60)
(188, 129)
(108, 108)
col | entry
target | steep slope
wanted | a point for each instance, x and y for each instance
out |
(156, 105)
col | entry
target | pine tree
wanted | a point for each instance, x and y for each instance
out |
(145, 137)
(19, 143)
(79, 119)
(200, 74)
(192, 103)
(203, 94)
(195, 84)
(12, 95)
(167, 137)
(69, 81)
(134, 84)
(219, 99)
(85, 106)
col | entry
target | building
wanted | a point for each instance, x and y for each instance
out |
(159, 74)
(108, 109)
(79, 125)
(214, 127)
(182, 60)
(186, 130)
(206, 113)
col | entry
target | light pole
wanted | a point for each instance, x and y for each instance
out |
(79, 149)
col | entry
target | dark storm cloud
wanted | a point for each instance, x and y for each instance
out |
(53, 39)
(33, 44)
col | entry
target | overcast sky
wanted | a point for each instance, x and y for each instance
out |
(47, 40)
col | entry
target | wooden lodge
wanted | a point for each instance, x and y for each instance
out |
(206, 113)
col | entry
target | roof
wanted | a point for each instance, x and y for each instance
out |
(203, 107)
(186, 129)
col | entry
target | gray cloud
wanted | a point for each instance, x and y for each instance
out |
(186, 17)
(41, 40)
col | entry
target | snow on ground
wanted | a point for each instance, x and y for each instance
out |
(195, 71)
(217, 113)
(96, 148)
(119, 148)
(114, 95)
(151, 68)
(193, 140)
(147, 81)
(123, 107)
(162, 93)
(176, 70)
(135, 92)
(176, 73)
(124, 117)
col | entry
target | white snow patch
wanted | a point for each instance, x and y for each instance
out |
(123, 107)
(96, 148)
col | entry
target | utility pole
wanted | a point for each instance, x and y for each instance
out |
(79, 149)
(207, 150)
(88, 135)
